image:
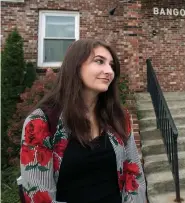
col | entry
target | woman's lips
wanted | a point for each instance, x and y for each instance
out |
(105, 79)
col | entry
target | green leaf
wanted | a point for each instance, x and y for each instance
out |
(134, 193)
(120, 170)
(57, 139)
(129, 160)
(42, 168)
(32, 189)
(115, 141)
(58, 136)
(125, 198)
(139, 176)
(37, 116)
(25, 190)
(30, 167)
(31, 147)
(47, 144)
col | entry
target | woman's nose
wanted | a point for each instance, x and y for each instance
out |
(108, 69)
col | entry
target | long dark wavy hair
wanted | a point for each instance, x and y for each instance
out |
(66, 96)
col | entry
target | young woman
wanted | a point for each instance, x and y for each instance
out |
(89, 155)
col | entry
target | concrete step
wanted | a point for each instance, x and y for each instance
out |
(159, 163)
(146, 132)
(144, 96)
(155, 134)
(177, 110)
(151, 147)
(179, 119)
(162, 182)
(181, 130)
(166, 197)
(151, 134)
(151, 121)
(144, 112)
(171, 104)
(175, 103)
(148, 129)
(168, 96)
(174, 95)
(147, 122)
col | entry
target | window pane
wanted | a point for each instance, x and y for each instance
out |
(60, 26)
(54, 50)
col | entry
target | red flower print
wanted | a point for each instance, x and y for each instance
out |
(131, 168)
(27, 155)
(119, 140)
(36, 131)
(55, 163)
(42, 197)
(43, 155)
(27, 198)
(131, 184)
(60, 147)
(130, 172)
(120, 181)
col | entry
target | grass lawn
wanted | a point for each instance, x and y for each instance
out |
(9, 188)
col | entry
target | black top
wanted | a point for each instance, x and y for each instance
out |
(89, 174)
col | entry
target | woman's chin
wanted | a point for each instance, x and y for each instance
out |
(102, 89)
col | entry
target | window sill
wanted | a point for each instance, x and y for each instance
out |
(49, 65)
(13, 1)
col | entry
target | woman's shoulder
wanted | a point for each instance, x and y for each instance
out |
(36, 115)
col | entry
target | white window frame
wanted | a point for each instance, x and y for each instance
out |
(13, 1)
(41, 34)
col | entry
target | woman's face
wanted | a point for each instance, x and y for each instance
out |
(97, 72)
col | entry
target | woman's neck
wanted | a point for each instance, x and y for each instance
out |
(90, 99)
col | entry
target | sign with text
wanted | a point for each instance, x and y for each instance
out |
(169, 11)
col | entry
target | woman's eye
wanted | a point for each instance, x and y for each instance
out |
(99, 61)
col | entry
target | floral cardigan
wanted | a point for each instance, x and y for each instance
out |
(41, 156)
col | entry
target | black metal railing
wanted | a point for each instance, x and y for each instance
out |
(165, 123)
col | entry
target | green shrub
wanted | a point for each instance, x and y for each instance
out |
(123, 88)
(9, 188)
(30, 74)
(13, 68)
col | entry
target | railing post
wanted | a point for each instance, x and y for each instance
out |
(176, 170)
(148, 81)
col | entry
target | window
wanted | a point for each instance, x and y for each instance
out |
(57, 30)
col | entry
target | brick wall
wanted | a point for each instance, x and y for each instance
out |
(129, 30)
(166, 48)
(122, 30)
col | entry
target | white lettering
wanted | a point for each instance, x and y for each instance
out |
(169, 11)
(175, 12)
(162, 12)
(182, 12)
(155, 11)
